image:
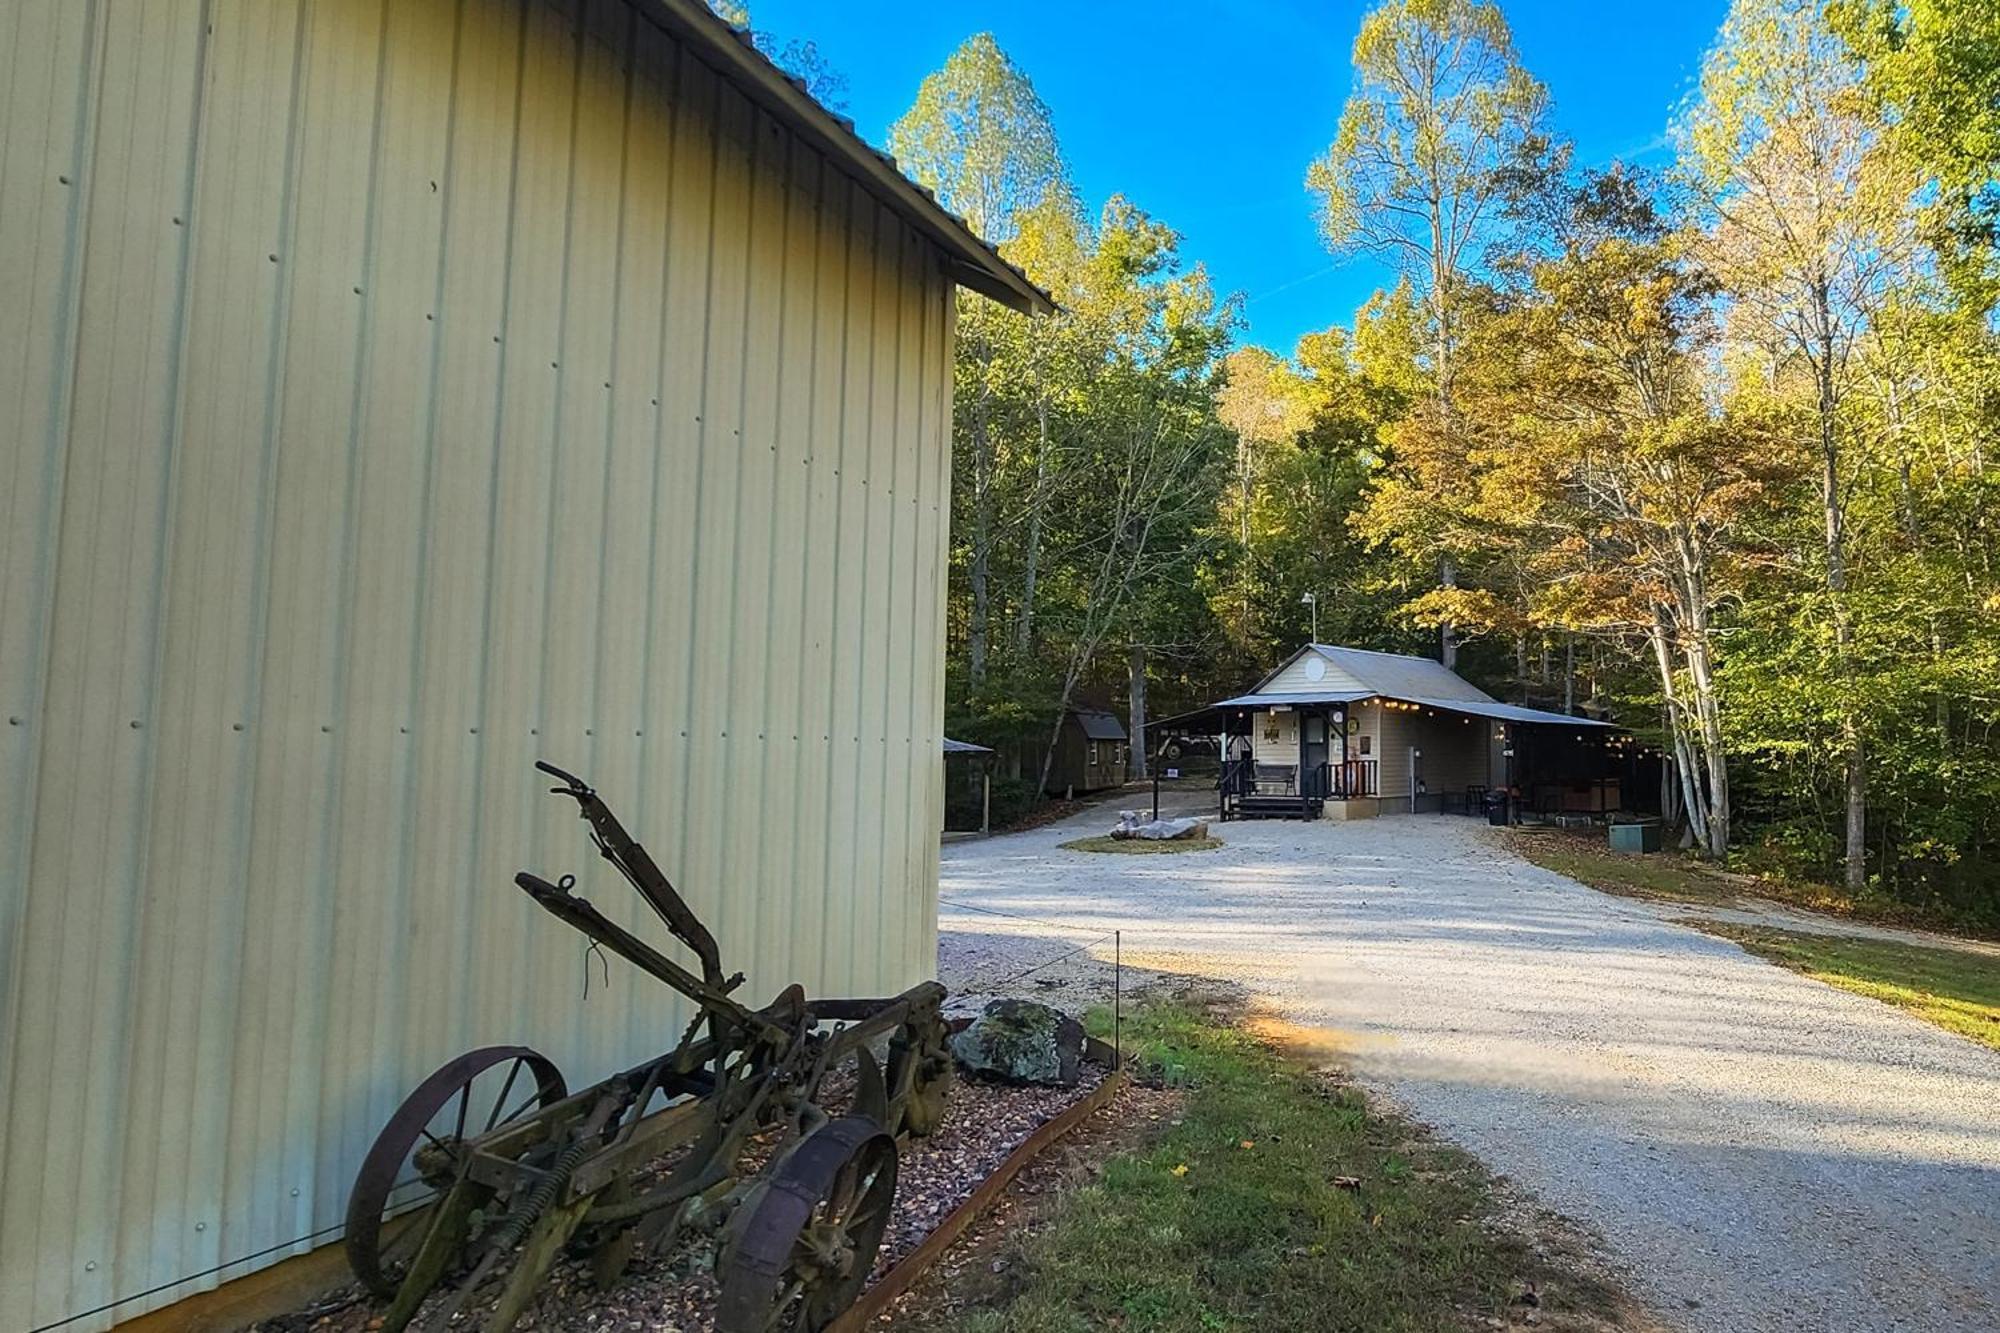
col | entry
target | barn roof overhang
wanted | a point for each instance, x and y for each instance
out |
(972, 261)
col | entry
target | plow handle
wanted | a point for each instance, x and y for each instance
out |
(637, 865)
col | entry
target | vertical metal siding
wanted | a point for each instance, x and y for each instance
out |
(393, 393)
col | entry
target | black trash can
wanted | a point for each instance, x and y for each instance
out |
(1496, 809)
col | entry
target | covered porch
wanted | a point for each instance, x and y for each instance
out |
(1348, 755)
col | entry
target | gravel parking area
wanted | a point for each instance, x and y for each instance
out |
(1761, 1152)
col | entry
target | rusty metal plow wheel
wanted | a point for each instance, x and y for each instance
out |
(810, 1241)
(420, 1152)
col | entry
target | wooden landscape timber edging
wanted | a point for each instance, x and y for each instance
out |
(900, 1278)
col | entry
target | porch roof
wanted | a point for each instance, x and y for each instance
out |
(1214, 714)
(1511, 712)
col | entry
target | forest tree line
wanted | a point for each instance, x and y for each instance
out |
(1709, 447)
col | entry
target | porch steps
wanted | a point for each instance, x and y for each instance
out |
(1266, 806)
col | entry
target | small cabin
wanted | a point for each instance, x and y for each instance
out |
(1345, 733)
(1091, 753)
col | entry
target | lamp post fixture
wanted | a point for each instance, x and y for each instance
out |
(1312, 600)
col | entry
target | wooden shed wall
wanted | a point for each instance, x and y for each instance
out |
(392, 393)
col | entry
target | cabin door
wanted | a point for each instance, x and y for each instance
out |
(1312, 755)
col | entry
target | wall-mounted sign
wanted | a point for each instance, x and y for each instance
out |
(1173, 772)
(1354, 726)
(1364, 743)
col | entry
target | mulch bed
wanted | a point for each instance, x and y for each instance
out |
(676, 1292)
(978, 1270)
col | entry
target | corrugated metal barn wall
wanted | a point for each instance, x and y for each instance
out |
(393, 393)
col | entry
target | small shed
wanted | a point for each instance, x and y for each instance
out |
(968, 787)
(1092, 749)
(396, 393)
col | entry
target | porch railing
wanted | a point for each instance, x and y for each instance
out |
(1342, 781)
(1330, 781)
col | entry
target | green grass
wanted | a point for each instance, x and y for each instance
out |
(1281, 1201)
(1141, 846)
(1676, 876)
(1956, 989)
(1672, 876)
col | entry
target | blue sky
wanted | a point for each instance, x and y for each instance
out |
(1207, 114)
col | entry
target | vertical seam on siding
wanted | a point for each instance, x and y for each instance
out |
(141, 834)
(693, 574)
(339, 650)
(67, 337)
(470, 946)
(765, 892)
(671, 87)
(262, 541)
(408, 760)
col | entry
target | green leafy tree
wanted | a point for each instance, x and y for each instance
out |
(1809, 216)
(981, 138)
(1417, 172)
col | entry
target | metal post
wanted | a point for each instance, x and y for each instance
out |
(986, 801)
(1156, 793)
(1118, 997)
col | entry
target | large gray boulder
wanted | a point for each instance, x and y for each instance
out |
(1019, 1041)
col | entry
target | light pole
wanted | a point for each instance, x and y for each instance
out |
(1312, 600)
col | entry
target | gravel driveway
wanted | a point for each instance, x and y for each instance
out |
(1761, 1151)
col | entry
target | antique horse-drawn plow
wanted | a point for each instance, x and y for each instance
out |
(491, 1169)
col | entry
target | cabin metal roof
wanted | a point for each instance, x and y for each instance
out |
(1399, 676)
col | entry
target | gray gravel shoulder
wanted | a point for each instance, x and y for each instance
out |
(1760, 1151)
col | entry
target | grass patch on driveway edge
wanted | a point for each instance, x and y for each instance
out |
(1140, 846)
(1954, 988)
(1282, 1199)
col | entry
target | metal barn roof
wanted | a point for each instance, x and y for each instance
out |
(973, 261)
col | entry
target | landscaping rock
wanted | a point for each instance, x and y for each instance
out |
(1019, 1041)
(1130, 825)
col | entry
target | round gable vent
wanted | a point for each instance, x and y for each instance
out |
(1315, 667)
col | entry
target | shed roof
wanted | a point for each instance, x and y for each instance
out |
(973, 261)
(1099, 725)
(964, 747)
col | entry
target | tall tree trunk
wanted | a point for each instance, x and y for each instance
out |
(1441, 366)
(1569, 674)
(1693, 795)
(982, 539)
(1856, 860)
(1447, 637)
(1024, 626)
(1135, 666)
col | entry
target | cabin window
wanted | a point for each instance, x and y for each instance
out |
(1093, 754)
